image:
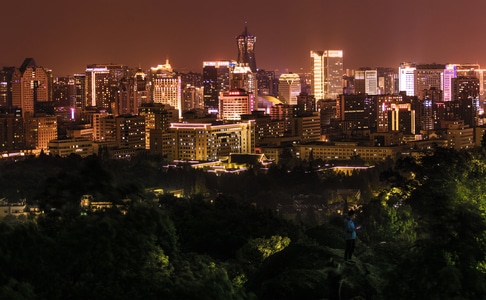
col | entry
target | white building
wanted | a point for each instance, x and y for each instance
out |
(406, 78)
(327, 73)
(166, 86)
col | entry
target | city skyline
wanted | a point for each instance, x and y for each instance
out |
(66, 37)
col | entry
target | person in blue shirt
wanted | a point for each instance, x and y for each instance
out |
(349, 234)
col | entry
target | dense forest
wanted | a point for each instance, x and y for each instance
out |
(422, 237)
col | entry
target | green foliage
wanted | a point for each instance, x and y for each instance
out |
(422, 235)
(448, 205)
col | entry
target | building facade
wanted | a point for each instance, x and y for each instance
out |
(246, 50)
(216, 79)
(208, 142)
(327, 73)
(234, 103)
(102, 85)
(66, 147)
(289, 88)
(166, 86)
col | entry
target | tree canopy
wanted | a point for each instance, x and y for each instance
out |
(422, 236)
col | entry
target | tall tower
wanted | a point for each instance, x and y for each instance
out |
(406, 79)
(216, 79)
(327, 73)
(6, 86)
(102, 84)
(429, 77)
(30, 84)
(166, 86)
(289, 88)
(246, 49)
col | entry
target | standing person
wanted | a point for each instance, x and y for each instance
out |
(349, 235)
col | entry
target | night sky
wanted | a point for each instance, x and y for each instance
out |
(65, 35)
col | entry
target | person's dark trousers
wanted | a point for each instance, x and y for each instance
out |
(348, 252)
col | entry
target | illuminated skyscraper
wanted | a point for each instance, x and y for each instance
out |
(241, 77)
(216, 77)
(103, 85)
(246, 49)
(406, 73)
(387, 80)
(30, 84)
(234, 103)
(289, 88)
(6, 86)
(428, 77)
(80, 90)
(133, 91)
(267, 84)
(327, 73)
(166, 86)
(12, 133)
(157, 117)
(366, 82)
(449, 74)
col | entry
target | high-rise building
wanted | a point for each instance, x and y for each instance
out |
(192, 91)
(371, 82)
(387, 80)
(285, 113)
(449, 74)
(124, 103)
(289, 88)
(366, 82)
(130, 132)
(61, 92)
(384, 105)
(246, 50)
(125, 131)
(6, 86)
(267, 84)
(327, 73)
(103, 127)
(241, 77)
(406, 79)
(306, 128)
(166, 86)
(39, 130)
(141, 89)
(234, 103)
(306, 104)
(466, 92)
(157, 116)
(266, 129)
(12, 133)
(356, 112)
(80, 91)
(465, 87)
(427, 77)
(102, 85)
(30, 85)
(192, 98)
(327, 109)
(216, 79)
(133, 92)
